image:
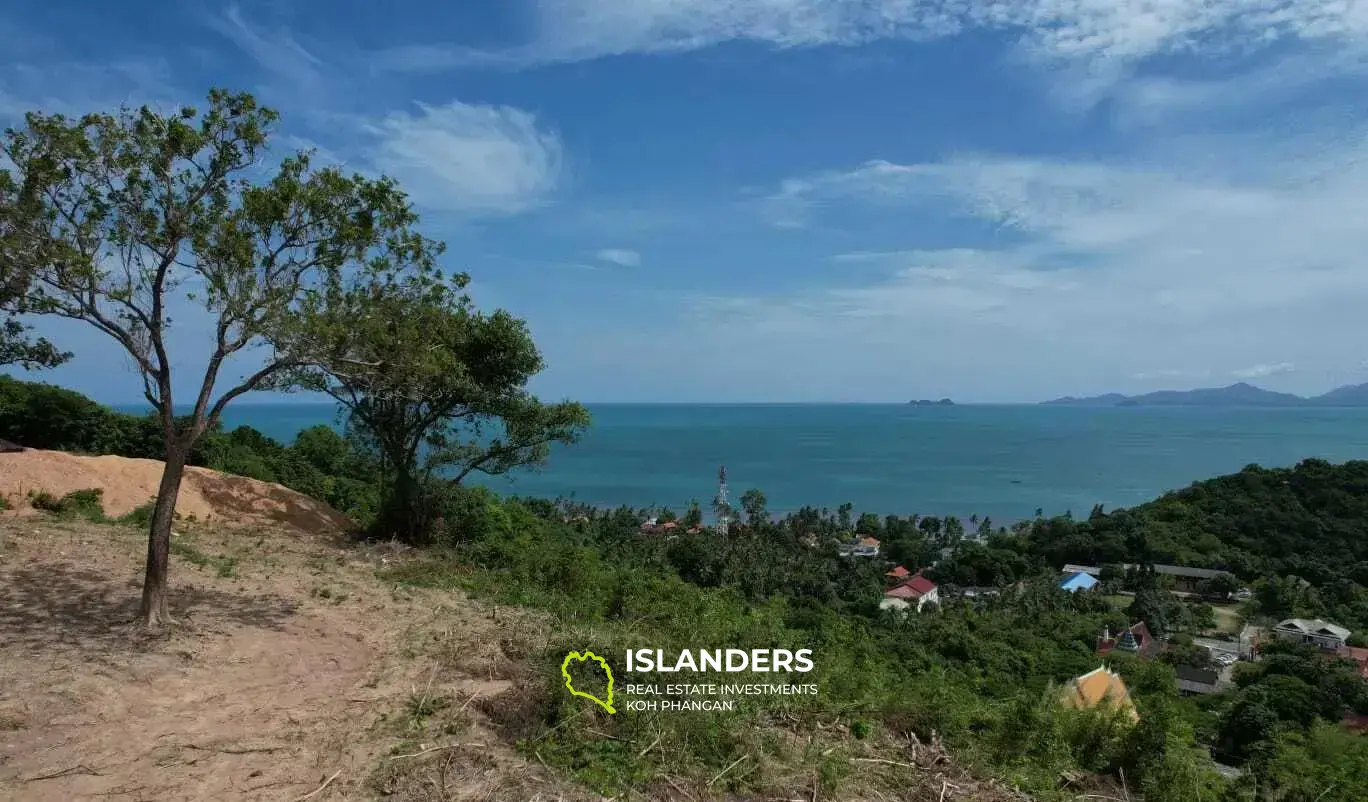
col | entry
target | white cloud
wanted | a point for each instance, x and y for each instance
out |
(1105, 273)
(1103, 33)
(469, 158)
(620, 256)
(277, 51)
(1264, 371)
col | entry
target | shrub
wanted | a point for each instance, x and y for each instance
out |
(88, 504)
(140, 516)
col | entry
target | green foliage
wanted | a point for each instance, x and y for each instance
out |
(982, 677)
(224, 566)
(140, 517)
(433, 384)
(87, 504)
(1304, 521)
(1322, 764)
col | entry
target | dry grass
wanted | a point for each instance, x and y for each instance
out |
(300, 673)
(263, 689)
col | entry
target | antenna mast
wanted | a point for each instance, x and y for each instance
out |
(720, 505)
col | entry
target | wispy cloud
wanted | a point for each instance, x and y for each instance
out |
(1264, 371)
(1102, 33)
(468, 158)
(74, 87)
(620, 256)
(1106, 268)
(276, 51)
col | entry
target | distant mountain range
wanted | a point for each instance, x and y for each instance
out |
(1236, 395)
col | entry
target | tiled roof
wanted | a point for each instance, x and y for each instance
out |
(1315, 626)
(914, 588)
(898, 572)
(1097, 687)
(920, 584)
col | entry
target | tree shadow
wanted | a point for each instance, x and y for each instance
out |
(62, 605)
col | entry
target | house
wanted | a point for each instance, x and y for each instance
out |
(1099, 687)
(899, 573)
(1187, 579)
(1135, 640)
(1358, 655)
(862, 547)
(1091, 570)
(1315, 631)
(916, 590)
(1193, 681)
(1078, 581)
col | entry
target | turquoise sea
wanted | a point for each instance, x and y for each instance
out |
(999, 461)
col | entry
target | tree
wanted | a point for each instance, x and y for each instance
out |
(694, 516)
(438, 386)
(1152, 607)
(16, 348)
(1221, 586)
(112, 217)
(753, 502)
(843, 513)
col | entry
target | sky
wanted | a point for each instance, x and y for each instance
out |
(809, 200)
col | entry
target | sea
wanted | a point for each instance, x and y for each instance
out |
(1003, 462)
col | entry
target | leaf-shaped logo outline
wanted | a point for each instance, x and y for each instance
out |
(583, 656)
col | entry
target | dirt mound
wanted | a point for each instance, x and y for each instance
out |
(128, 483)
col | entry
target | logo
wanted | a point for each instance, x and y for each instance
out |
(570, 685)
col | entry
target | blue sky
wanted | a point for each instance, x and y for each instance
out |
(812, 200)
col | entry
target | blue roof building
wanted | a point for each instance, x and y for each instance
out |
(1078, 581)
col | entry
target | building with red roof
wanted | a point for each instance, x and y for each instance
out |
(916, 591)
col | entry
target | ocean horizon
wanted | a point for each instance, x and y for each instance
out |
(1002, 461)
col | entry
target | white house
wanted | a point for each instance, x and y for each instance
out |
(1315, 631)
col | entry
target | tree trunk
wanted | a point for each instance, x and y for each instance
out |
(153, 610)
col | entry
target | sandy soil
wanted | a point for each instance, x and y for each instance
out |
(298, 669)
(128, 483)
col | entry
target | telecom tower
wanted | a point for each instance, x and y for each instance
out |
(720, 505)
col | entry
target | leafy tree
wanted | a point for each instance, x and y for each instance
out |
(693, 516)
(843, 515)
(869, 524)
(436, 384)
(16, 346)
(753, 502)
(112, 217)
(1221, 586)
(1182, 651)
(1152, 607)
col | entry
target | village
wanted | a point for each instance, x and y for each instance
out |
(913, 592)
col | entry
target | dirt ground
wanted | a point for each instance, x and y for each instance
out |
(128, 483)
(291, 673)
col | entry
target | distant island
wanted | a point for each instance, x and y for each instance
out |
(1236, 395)
(944, 402)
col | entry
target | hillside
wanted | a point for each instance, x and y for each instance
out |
(299, 668)
(1240, 394)
(1310, 520)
